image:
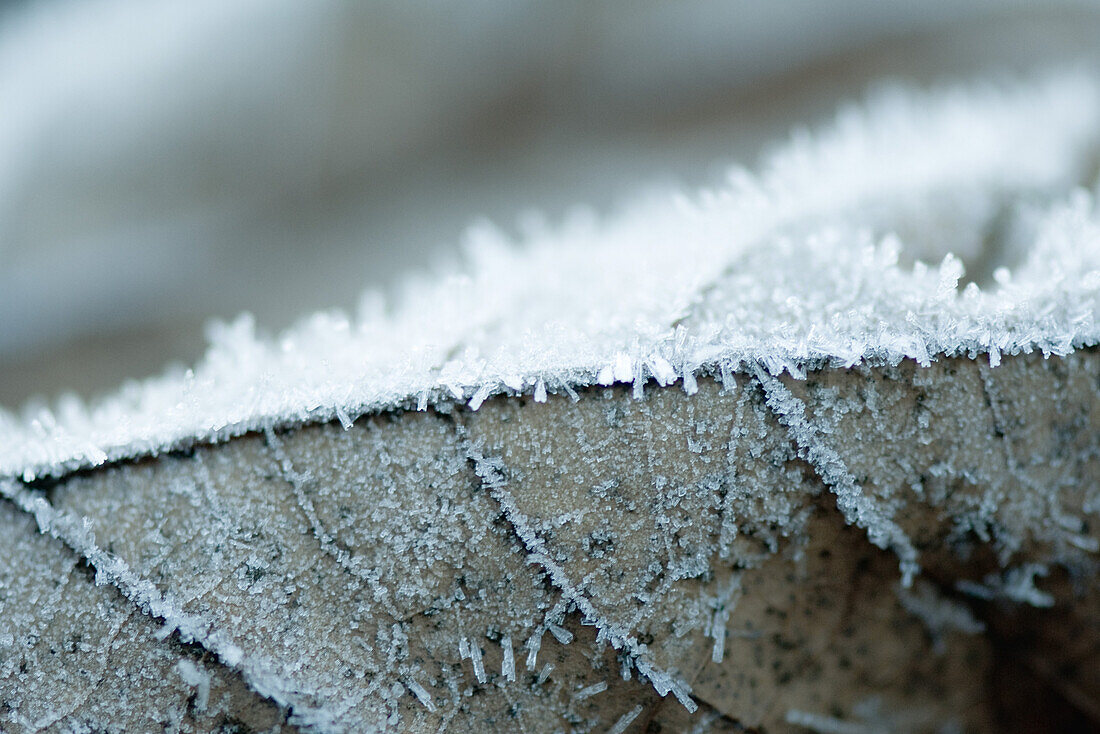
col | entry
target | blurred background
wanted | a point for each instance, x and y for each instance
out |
(166, 163)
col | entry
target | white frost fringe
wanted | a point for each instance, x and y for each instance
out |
(777, 269)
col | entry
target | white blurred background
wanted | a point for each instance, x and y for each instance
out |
(165, 163)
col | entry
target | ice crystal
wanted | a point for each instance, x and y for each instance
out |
(1016, 584)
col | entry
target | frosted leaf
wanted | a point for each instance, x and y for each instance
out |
(858, 508)
(764, 271)
(999, 484)
(368, 520)
(77, 656)
(620, 461)
(229, 555)
(366, 567)
(364, 509)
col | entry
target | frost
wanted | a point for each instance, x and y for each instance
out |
(618, 634)
(1014, 584)
(114, 674)
(563, 636)
(422, 695)
(939, 614)
(718, 625)
(230, 552)
(795, 266)
(625, 720)
(857, 507)
(383, 509)
(533, 644)
(479, 666)
(591, 690)
(508, 661)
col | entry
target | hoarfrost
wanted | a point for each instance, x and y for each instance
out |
(591, 690)
(337, 567)
(508, 662)
(422, 695)
(625, 720)
(479, 665)
(858, 508)
(533, 644)
(939, 614)
(780, 268)
(718, 626)
(116, 675)
(195, 676)
(1014, 584)
(563, 636)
